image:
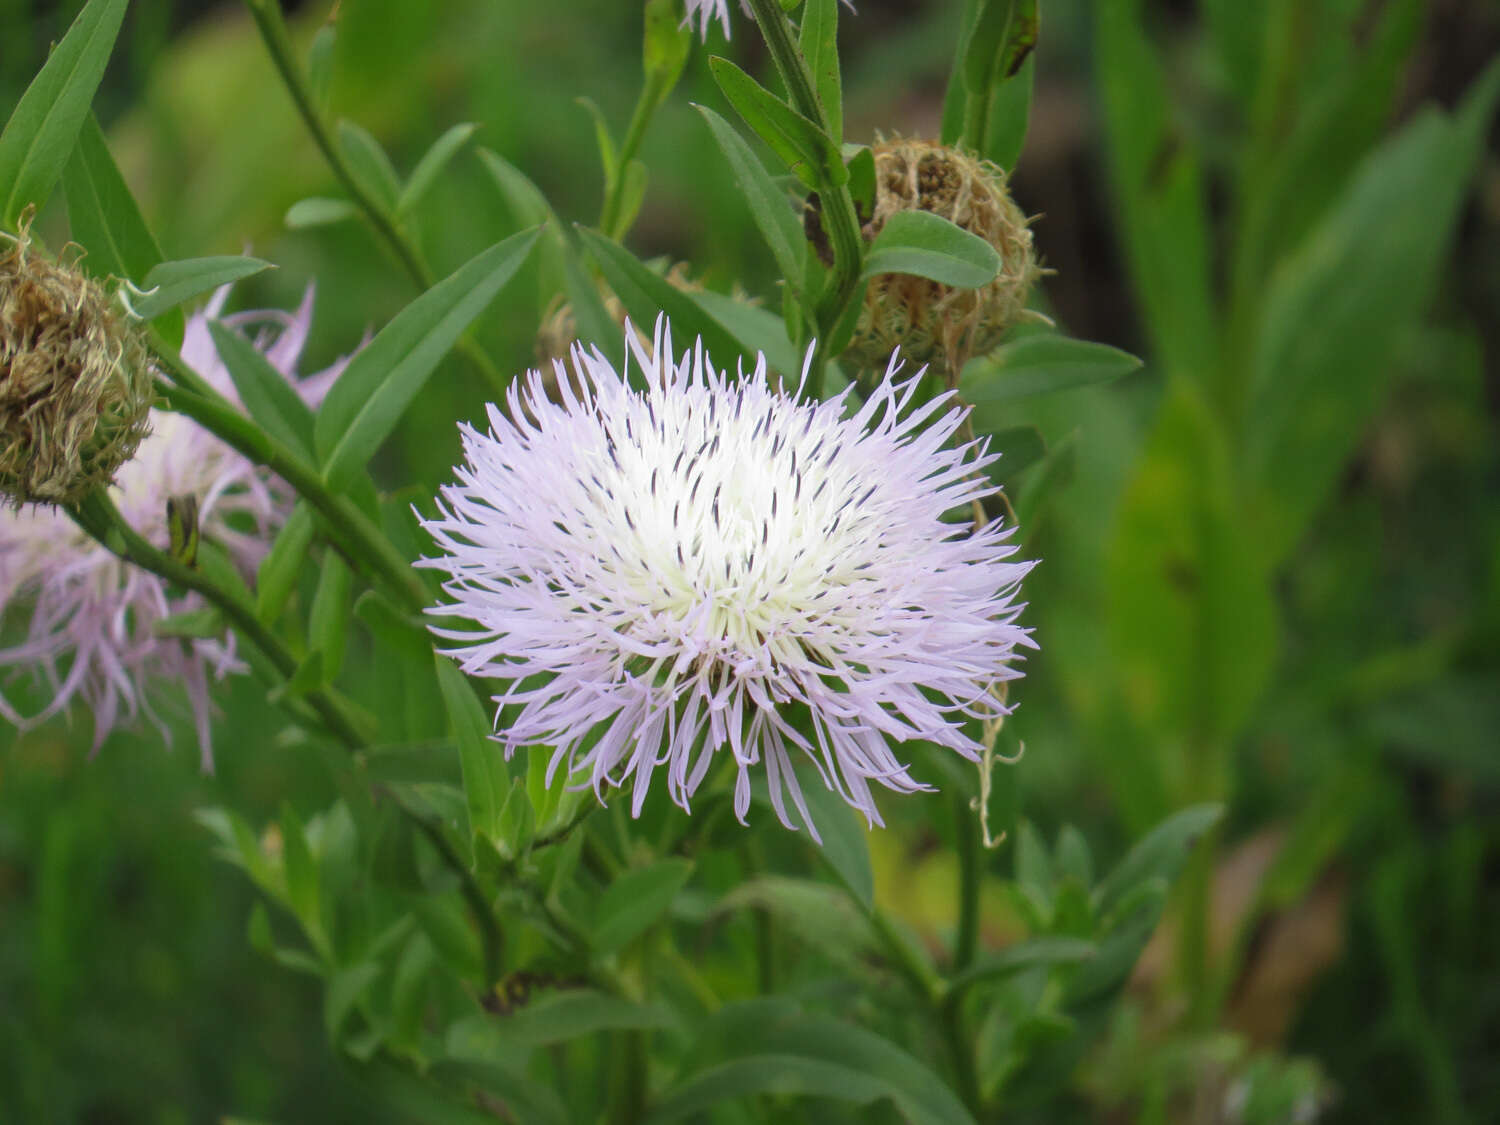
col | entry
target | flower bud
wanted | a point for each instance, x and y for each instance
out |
(927, 321)
(75, 386)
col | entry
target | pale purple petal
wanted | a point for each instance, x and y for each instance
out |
(663, 575)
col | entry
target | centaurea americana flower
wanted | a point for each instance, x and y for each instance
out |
(710, 566)
(89, 634)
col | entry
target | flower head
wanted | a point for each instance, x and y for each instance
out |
(92, 627)
(708, 566)
(75, 387)
(927, 320)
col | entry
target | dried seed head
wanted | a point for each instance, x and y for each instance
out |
(75, 386)
(929, 322)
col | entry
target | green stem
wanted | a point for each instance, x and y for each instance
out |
(628, 1100)
(273, 32)
(908, 962)
(652, 93)
(966, 829)
(97, 515)
(490, 938)
(961, 1049)
(840, 222)
(360, 541)
(976, 120)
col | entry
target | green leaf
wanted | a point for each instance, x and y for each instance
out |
(1160, 854)
(772, 1047)
(1042, 364)
(529, 1101)
(320, 62)
(861, 165)
(42, 131)
(553, 1017)
(845, 845)
(769, 205)
(328, 619)
(928, 245)
(431, 166)
(665, 47)
(301, 874)
(486, 778)
(283, 564)
(103, 214)
(1043, 952)
(645, 295)
(632, 195)
(369, 165)
(317, 211)
(819, 915)
(265, 392)
(819, 42)
(1158, 182)
(171, 283)
(1192, 623)
(754, 328)
(808, 152)
(195, 624)
(1010, 116)
(1339, 307)
(368, 400)
(609, 160)
(1019, 447)
(635, 901)
(346, 989)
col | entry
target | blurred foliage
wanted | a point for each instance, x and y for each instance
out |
(1273, 578)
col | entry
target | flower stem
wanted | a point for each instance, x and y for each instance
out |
(358, 539)
(966, 835)
(908, 961)
(273, 32)
(652, 93)
(840, 221)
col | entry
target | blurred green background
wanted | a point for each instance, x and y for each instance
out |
(1356, 889)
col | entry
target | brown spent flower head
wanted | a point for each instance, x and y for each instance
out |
(929, 322)
(75, 385)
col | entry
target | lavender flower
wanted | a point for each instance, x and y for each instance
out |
(91, 629)
(666, 574)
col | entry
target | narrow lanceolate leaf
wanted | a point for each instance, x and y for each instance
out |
(282, 566)
(103, 215)
(265, 392)
(431, 166)
(1041, 364)
(1159, 854)
(645, 295)
(634, 901)
(40, 135)
(171, 283)
(928, 245)
(810, 153)
(1337, 309)
(319, 211)
(1039, 952)
(772, 1047)
(369, 398)
(769, 204)
(819, 43)
(486, 777)
(370, 166)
